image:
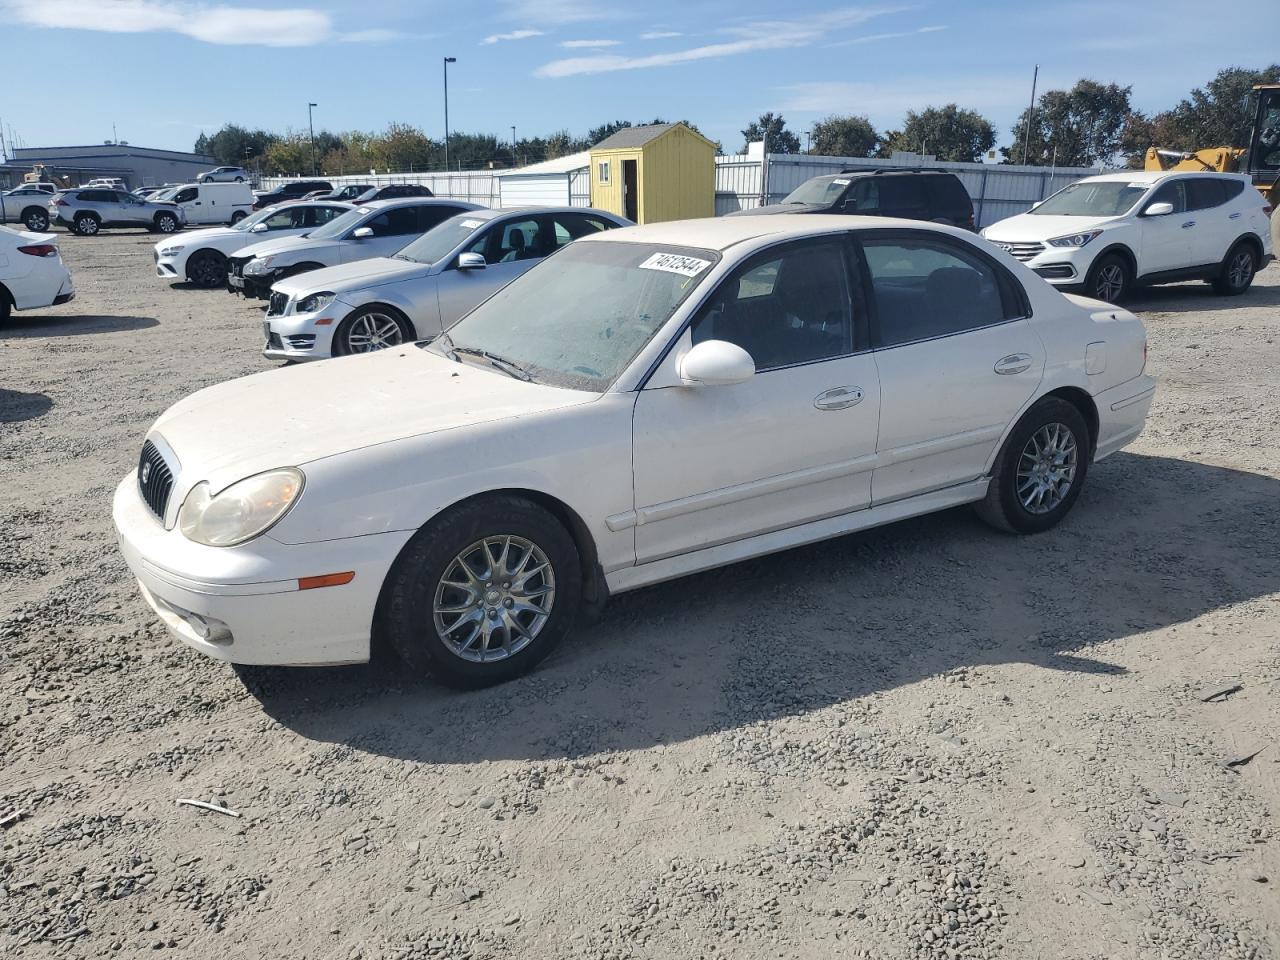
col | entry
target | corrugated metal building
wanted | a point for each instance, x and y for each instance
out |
(137, 166)
(547, 184)
(662, 171)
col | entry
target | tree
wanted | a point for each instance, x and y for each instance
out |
(772, 129)
(1081, 127)
(605, 131)
(948, 133)
(233, 144)
(289, 155)
(844, 137)
(404, 147)
(1218, 115)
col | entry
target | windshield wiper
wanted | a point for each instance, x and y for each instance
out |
(509, 367)
(401, 256)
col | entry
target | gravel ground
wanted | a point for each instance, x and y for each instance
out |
(927, 741)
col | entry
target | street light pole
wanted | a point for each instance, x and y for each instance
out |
(312, 127)
(514, 161)
(447, 61)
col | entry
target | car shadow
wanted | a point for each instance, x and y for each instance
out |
(1197, 298)
(1153, 542)
(71, 325)
(17, 406)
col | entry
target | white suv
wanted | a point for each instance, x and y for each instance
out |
(1105, 235)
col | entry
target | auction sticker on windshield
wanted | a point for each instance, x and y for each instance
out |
(675, 263)
(472, 224)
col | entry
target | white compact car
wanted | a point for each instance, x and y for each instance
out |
(1105, 235)
(201, 256)
(645, 404)
(372, 230)
(32, 274)
(225, 175)
(427, 285)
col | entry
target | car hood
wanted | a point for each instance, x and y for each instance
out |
(296, 415)
(199, 236)
(1031, 226)
(283, 245)
(351, 276)
(778, 208)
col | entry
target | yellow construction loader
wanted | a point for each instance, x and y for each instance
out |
(1260, 158)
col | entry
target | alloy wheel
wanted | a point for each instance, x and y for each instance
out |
(1240, 270)
(494, 598)
(208, 271)
(373, 331)
(38, 222)
(1110, 282)
(1047, 468)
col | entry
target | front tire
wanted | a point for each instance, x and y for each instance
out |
(1040, 471)
(1109, 278)
(1238, 270)
(483, 593)
(86, 224)
(207, 268)
(166, 222)
(370, 329)
(36, 220)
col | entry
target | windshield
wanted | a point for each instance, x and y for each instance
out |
(164, 194)
(248, 222)
(438, 242)
(824, 190)
(1099, 198)
(339, 225)
(577, 319)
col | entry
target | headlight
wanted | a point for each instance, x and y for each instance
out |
(317, 301)
(1075, 240)
(258, 266)
(170, 251)
(242, 511)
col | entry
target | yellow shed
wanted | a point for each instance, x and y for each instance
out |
(663, 171)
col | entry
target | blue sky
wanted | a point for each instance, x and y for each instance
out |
(163, 70)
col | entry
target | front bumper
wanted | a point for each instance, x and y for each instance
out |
(258, 286)
(243, 604)
(1060, 266)
(302, 336)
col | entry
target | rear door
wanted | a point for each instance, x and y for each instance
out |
(896, 196)
(956, 357)
(1215, 230)
(1166, 242)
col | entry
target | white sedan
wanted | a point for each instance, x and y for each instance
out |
(32, 274)
(645, 404)
(202, 256)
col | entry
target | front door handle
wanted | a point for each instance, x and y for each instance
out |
(1014, 363)
(1188, 224)
(838, 398)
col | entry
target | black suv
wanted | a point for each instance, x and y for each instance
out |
(911, 193)
(290, 191)
(393, 191)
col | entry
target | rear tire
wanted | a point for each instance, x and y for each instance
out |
(86, 224)
(6, 305)
(36, 220)
(1109, 278)
(207, 269)
(1238, 270)
(503, 615)
(238, 216)
(1040, 471)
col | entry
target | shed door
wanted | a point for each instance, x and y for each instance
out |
(630, 192)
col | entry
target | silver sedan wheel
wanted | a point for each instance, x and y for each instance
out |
(1047, 468)
(373, 331)
(1110, 282)
(1240, 271)
(494, 599)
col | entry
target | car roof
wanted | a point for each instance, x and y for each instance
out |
(493, 213)
(1155, 176)
(721, 233)
(407, 202)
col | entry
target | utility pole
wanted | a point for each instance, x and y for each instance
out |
(1026, 134)
(312, 127)
(447, 61)
(514, 161)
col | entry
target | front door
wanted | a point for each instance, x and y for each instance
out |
(392, 229)
(630, 191)
(509, 247)
(1167, 240)
(956, 358)
(793, 444)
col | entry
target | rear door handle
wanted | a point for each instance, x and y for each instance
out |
(1014, 363)
(1189, 223)
(838, 398)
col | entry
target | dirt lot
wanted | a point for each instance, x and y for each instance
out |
(927, 741)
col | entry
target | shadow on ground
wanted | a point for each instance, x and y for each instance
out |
(16, 406)
(1152, 542)
(1199, 298)
(71, 325)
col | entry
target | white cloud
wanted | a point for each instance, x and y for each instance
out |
(513, 35)
(874, 37)
(749, 37)
(560, 11)
(660, 34)
(298, 27)
(575, 44)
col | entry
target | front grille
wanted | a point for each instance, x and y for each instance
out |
(277, 303)
(155, 479)
(1023, 251)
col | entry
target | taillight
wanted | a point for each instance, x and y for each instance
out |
(39, 250)
(62, 203)
(1266, 208)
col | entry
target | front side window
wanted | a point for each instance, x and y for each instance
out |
(185, 196)
(340, 225)
(784, 307)
(925, 288)
(284, 220)
(510, 242)
(1174, 192)
(318, 216)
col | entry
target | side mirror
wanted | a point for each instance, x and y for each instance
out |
(362, 233)
(1036, 204)
(1158, 210)
(471, 261)
(716, 363)
(258, 227)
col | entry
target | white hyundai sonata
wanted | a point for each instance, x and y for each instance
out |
(645, 403)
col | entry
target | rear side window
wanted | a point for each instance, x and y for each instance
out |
(570, 226)
(1232, 188)
(902, 193)
(97, 196)
(925, 287)
(949, 193)
(1205, 192)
